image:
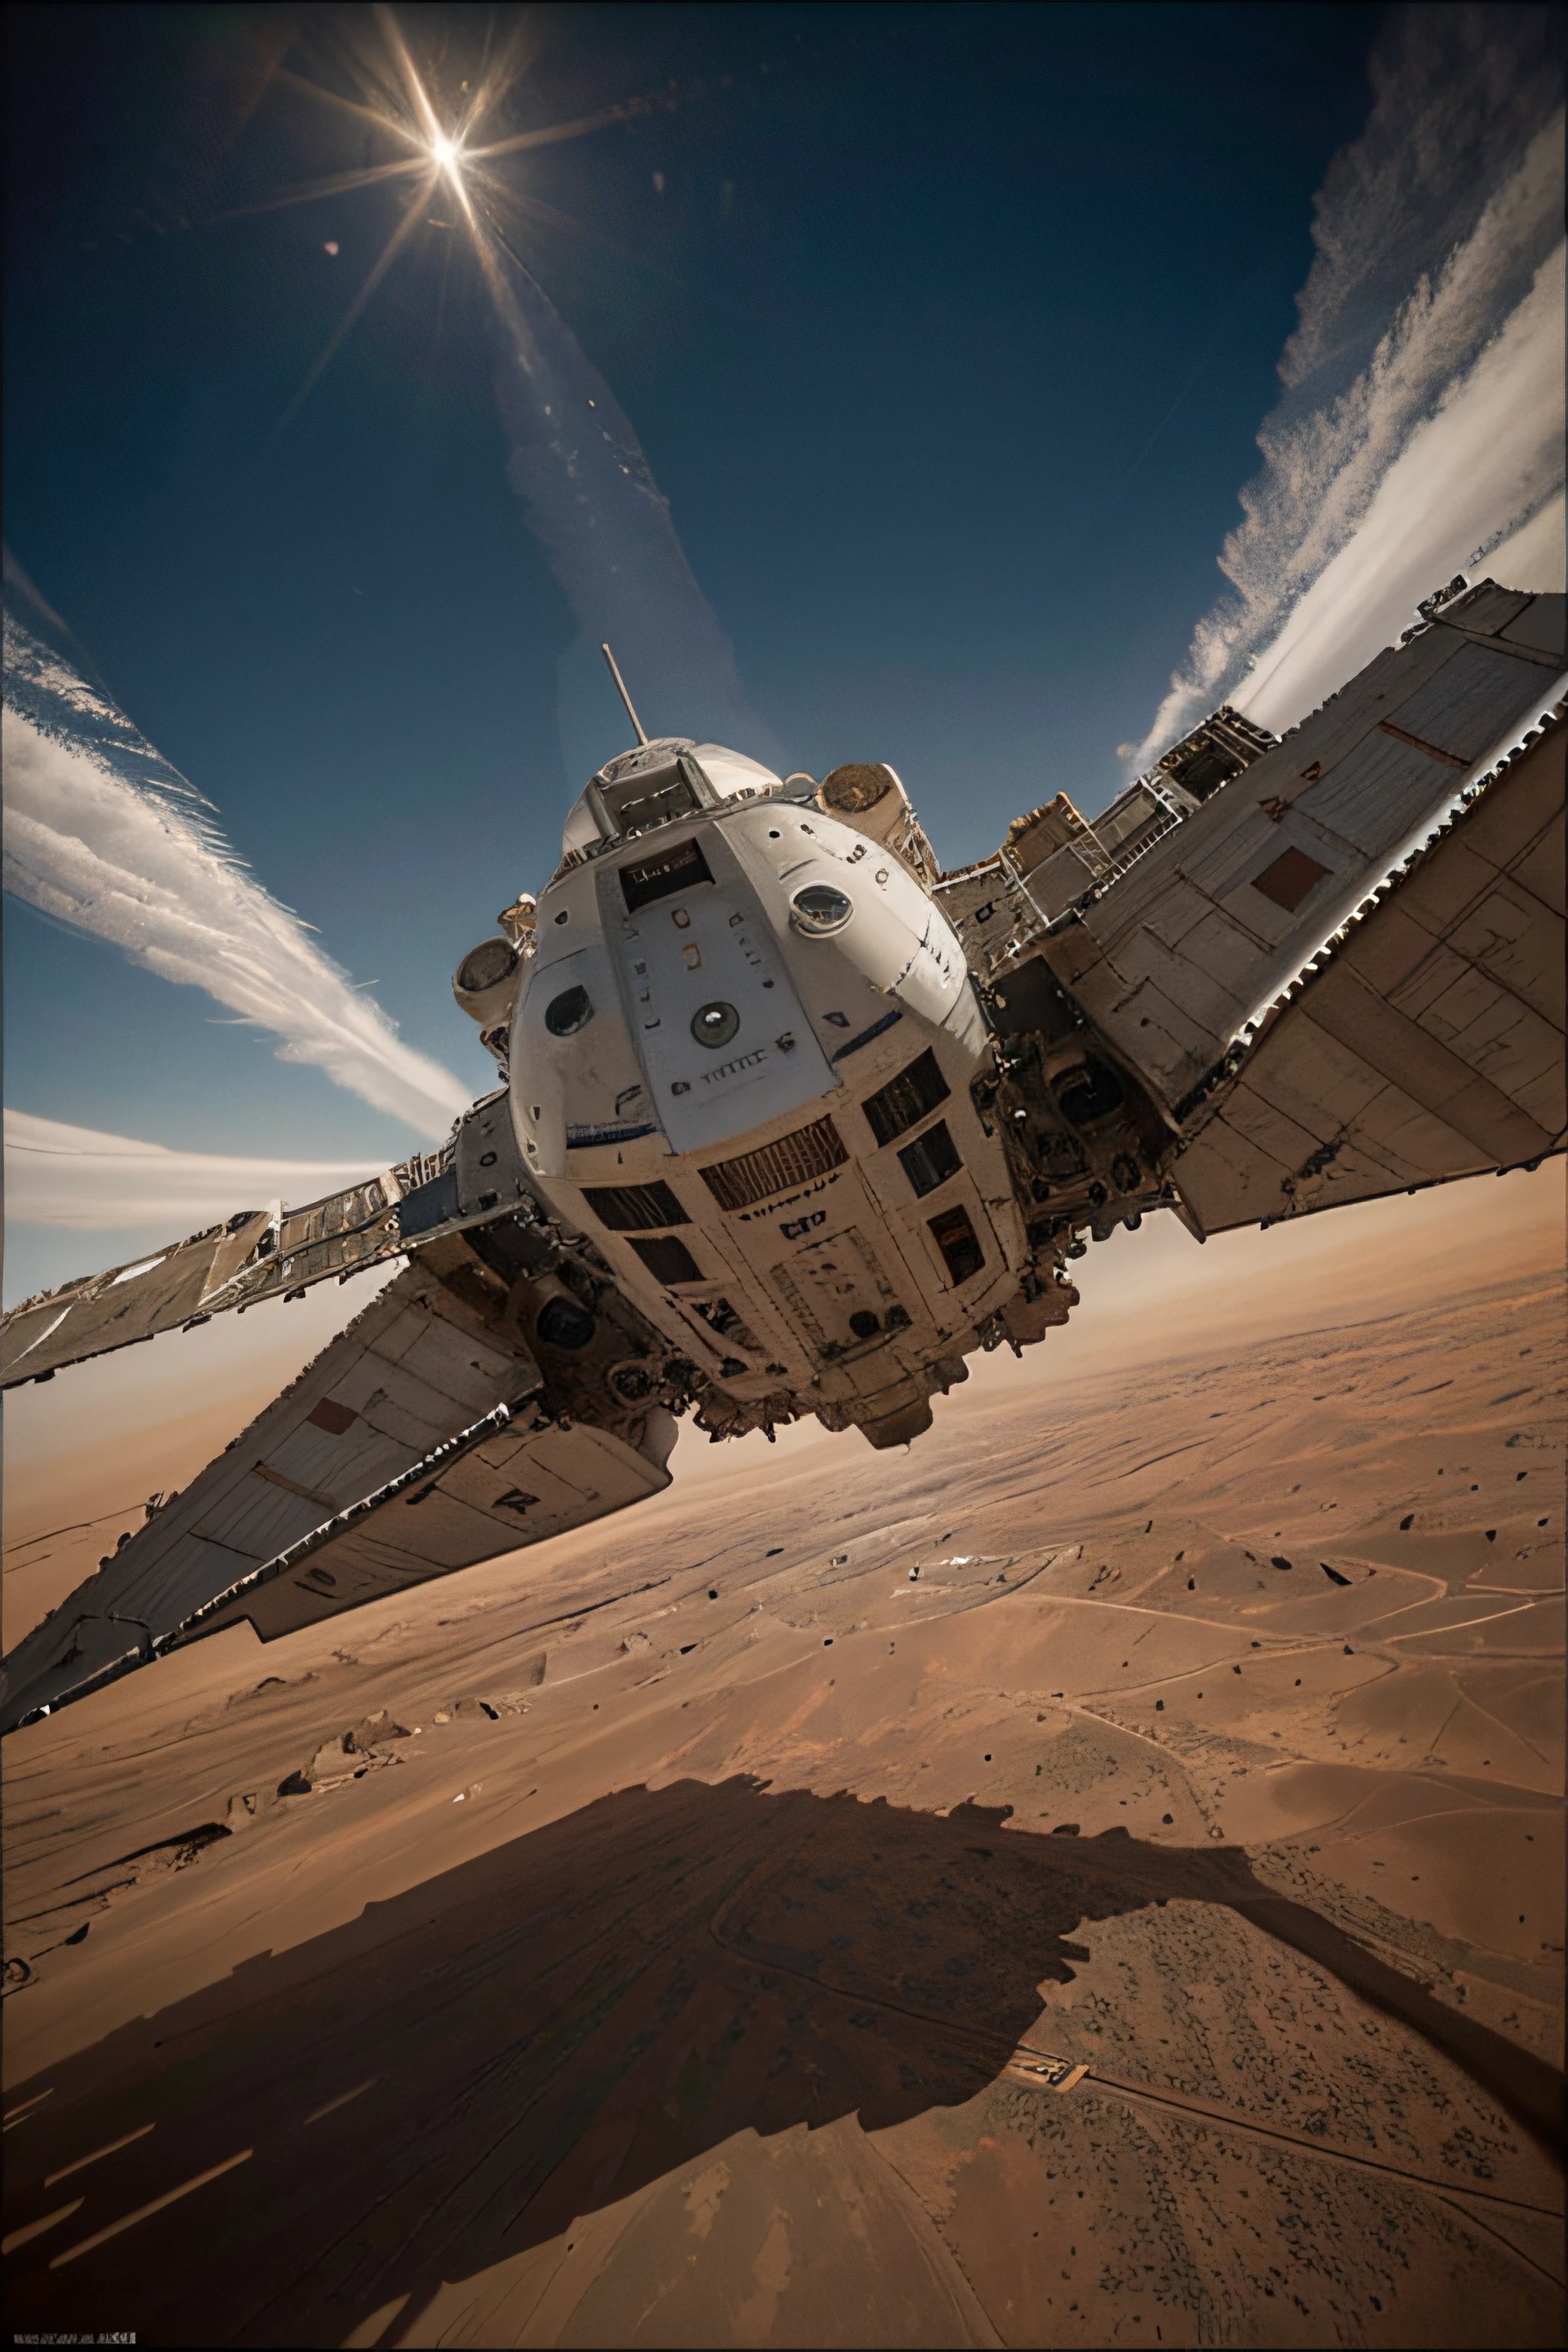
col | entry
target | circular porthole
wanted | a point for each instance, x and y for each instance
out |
(1087, 1092)
(487, 966)
(818, 908)
(563, 1324)
(566, 1013)
(714, 1025)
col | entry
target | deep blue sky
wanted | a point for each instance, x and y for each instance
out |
(947, 339)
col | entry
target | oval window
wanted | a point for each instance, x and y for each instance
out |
(715, 1025)
(569, 1012)
(819, 908)
(563, 1324)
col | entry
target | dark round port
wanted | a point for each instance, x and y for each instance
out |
(568, 1013)
(714, 1025)
(630, 1382)
(1088, 1091)
(864, 1324)
(563, 1324)
(820, 908)
(482, 967)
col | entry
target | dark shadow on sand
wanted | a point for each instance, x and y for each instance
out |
(540, 2031)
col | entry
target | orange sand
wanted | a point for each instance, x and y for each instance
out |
(670, 1956)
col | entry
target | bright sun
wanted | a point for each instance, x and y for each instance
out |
(433, 156)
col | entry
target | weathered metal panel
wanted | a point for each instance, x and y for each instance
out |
(1225, 946)
(1194, 976)
(1489, 609)
(1542, 870)
(1431, 1045)
(477, 1176)
(1348, 791)
(517, 1489)
(1463, 707)
(1543, 626)
(1430, 1072)
(1226, 830)
(1375, 797)
(245, 1507)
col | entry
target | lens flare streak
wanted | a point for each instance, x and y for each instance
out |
(398, 105)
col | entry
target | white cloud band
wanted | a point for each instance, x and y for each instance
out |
(1422, 422)
(101, 833)
(74, 1176)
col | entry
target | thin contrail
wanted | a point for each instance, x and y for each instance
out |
(104, 834)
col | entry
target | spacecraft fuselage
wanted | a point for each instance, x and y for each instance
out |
(741, 1055)
(793, 1121)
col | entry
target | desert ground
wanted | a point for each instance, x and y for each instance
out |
(1094, 1878)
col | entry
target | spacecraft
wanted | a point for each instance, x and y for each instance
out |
(790, 1122)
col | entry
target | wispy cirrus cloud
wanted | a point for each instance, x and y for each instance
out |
(101, 833)
(57, 1174)
(1479, 464)
(1420, 423)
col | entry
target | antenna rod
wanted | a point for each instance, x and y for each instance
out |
(626, 698)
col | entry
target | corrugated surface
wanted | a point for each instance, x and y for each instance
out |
(1431, 1046)
(519, 1487)
(414, 1370)
(1344, 791)
(794, 1159)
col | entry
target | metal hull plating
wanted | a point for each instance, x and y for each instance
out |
(811, 1241)
(769, 1146)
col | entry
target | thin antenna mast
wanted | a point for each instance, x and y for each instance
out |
(626, 698)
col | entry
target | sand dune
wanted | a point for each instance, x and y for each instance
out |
(658, 1938)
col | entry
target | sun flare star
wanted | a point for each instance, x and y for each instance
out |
(399, 106)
